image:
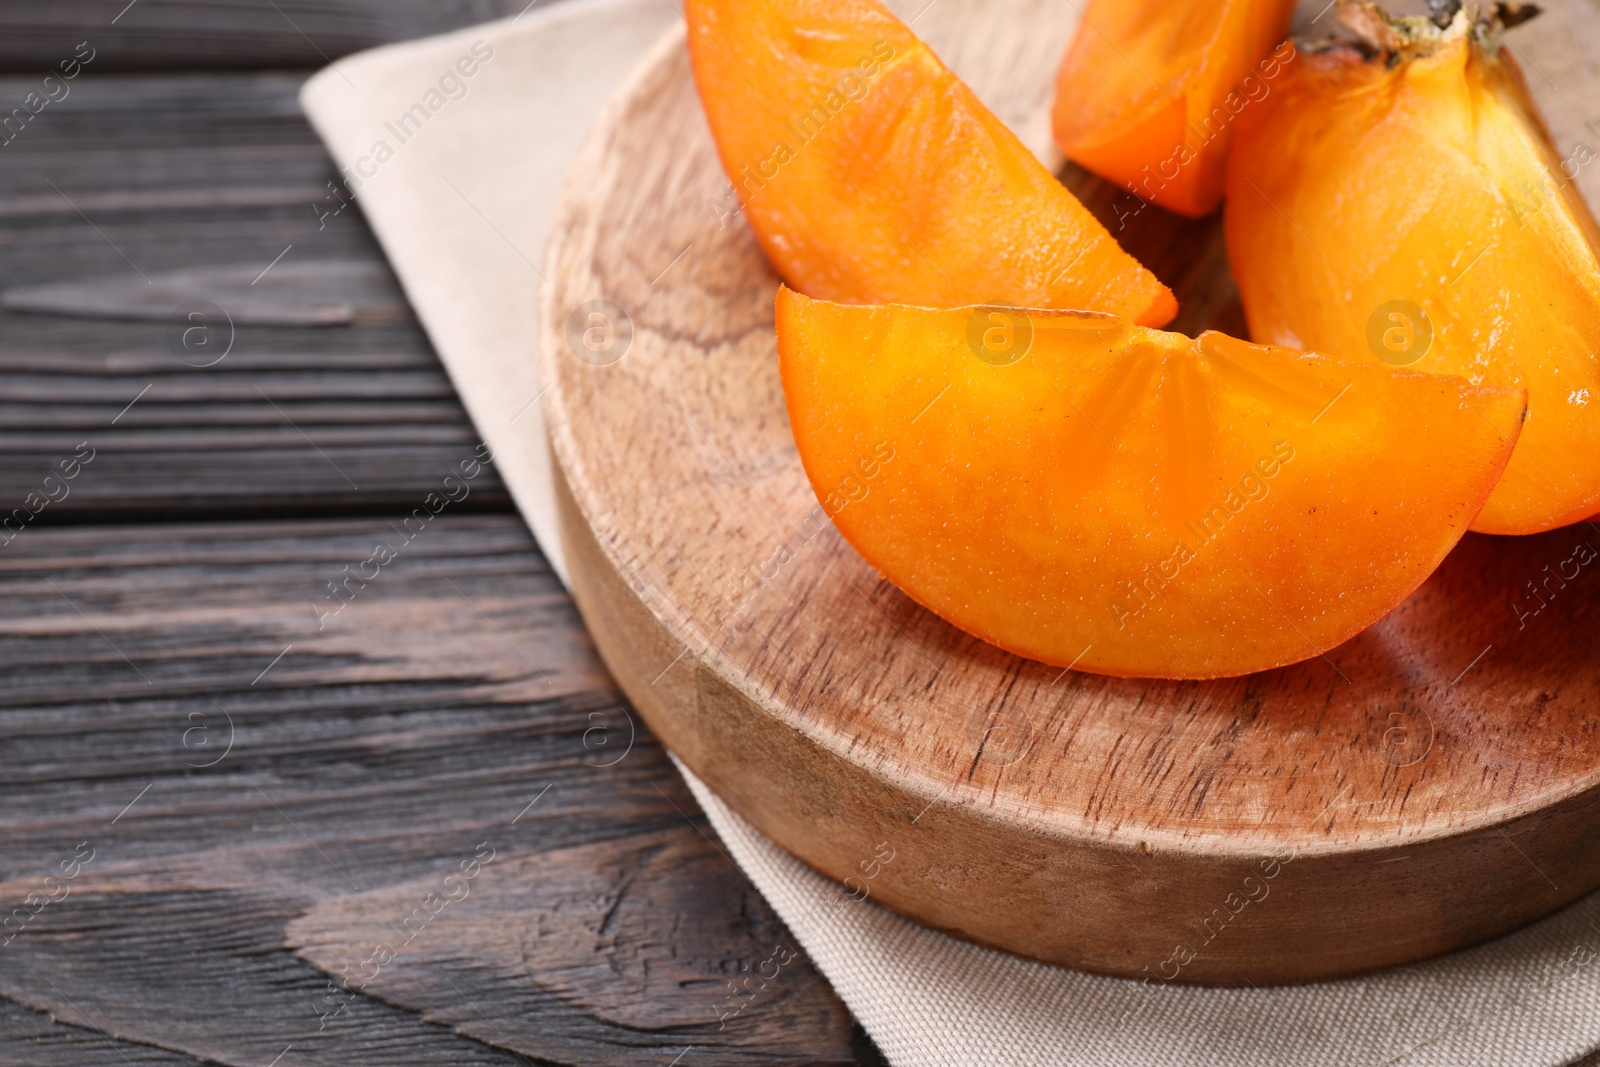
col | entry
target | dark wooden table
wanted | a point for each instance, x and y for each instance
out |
(237, 825)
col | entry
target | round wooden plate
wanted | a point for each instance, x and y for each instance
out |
(1431, 784)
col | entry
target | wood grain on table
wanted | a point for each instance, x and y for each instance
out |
(255, 781)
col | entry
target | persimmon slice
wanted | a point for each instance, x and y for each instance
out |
(1150, 89)
(1087, 492)
(1405, 200)
(871, 174)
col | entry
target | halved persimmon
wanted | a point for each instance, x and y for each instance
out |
(1404, 199)
(871, 174)
(1149, 91)
(1087, 492)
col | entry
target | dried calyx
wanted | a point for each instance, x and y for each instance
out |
(1446, 21)
(1509, 15)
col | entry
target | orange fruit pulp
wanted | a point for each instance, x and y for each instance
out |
(1150, 89)
(1409, 204)
(871, 174)
(1087, 492)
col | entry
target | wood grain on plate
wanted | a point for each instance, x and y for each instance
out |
(1430, 784)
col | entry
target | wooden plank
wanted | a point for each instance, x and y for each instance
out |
(369, 740)
(33, 1037)
(211, 34)
(237, 803)
(198, 184)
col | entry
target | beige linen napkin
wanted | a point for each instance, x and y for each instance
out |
(458, 146)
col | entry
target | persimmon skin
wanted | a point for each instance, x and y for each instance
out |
(1149, 90)
(1433, 182)
(1128, 501)
(871, 174)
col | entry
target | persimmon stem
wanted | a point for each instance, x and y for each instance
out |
(1397, 35)
(1369, 23)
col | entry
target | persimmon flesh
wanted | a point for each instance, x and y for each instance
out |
(1149, 91)
(1091, 493)
(1410, 205)
(871, 174)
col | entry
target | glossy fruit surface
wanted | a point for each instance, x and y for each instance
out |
(871, 174)
(1083, 491)
(1411, 206)
(1150, 90)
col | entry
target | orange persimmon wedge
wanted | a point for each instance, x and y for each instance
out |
(1150, 89)
(871, 174)
(1406, 202)
(1087, 492)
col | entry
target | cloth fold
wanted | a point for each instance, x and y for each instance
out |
(457, 148)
